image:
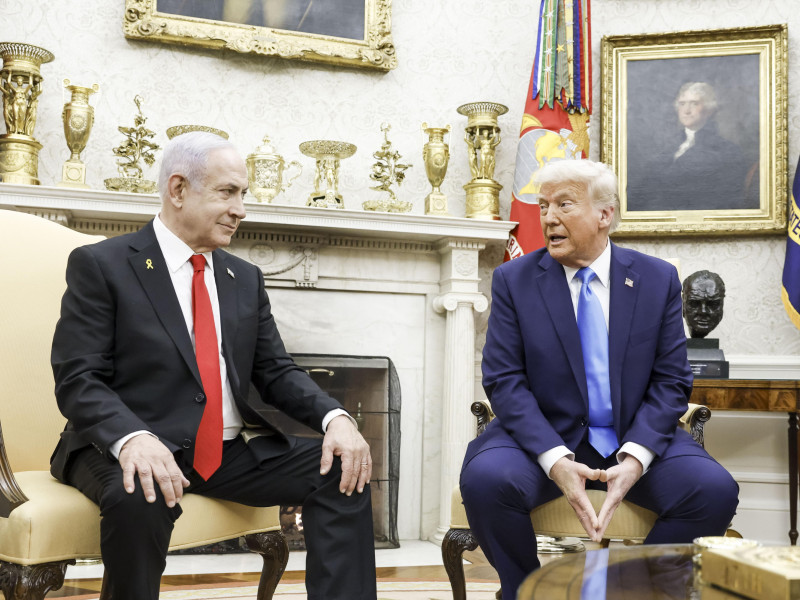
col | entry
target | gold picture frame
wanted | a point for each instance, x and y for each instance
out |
(726, 90)
(341, 32)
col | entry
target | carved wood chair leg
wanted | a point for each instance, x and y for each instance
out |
(31, 582)
(455, 542)
(105, 587)
(274, 550)
(605, 542)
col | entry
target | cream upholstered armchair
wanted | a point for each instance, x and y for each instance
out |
(45, 525)
(555, 518)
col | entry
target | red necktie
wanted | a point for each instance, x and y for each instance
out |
(208, 447)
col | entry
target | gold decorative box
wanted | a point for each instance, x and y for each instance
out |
(760, 573)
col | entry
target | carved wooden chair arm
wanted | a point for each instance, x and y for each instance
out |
(483, 413)
(11, 495)
(694, 420)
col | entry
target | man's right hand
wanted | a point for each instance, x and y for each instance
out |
(146, 455)
(571, 477)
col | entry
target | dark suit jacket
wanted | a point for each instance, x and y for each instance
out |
(123, 359)
(533, 366)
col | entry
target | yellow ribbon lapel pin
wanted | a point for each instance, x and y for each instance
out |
(149, 263)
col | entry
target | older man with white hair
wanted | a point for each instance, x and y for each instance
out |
(161, 338)
(585, 367)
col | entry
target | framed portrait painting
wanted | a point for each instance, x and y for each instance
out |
(343, 32)
(695, 126)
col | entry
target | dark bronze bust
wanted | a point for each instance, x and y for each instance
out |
(703, 299)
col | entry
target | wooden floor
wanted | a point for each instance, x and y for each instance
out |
(473, 572)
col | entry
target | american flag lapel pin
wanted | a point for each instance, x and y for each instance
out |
(231, 273)
(629, 282)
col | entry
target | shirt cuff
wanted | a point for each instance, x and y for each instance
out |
(115, 448)
(332, 415)
(548, 459)
(640, 453)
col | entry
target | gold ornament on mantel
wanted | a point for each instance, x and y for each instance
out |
(78, 118)
(137, 147)
(328, 153)
(388, 171)
(436, 155)
(181, 129)
(21, 85)
(482, 137)
(265, 169)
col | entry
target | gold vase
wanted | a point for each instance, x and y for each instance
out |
(436, 156)
(265, 170)
(21, 85)
(328, 153)
(482, 137)
(78, 118)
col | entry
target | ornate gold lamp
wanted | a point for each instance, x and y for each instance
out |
(482, 136)
(436, 156)
(78, 117)
(20, 84)
(265, 169)
(328, 153)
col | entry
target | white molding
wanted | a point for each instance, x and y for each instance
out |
(121, 206)
(764, 366)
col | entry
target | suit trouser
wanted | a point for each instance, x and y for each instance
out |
(692, 494)
(135, 534)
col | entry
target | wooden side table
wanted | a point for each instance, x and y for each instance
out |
(772, 395)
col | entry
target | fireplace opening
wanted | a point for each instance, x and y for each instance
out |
(369, 389)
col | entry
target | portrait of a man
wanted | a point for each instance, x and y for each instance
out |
(699, 150)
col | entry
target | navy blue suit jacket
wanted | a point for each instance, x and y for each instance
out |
(533, 366)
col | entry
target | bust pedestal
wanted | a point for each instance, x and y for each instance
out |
(706, 358)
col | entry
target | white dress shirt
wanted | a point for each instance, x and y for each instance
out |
(176, 255)
(600, 287)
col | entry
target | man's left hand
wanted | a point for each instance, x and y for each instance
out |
(342, 439)
(620, 478)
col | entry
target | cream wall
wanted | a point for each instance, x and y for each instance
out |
(449, 52)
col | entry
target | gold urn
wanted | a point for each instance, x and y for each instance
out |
(78, 118)
(482, 136)
(265, 170)
(436, 156)
(21, 85)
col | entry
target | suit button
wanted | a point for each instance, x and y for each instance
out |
(200, 397)
(187, 443)
(584, 422)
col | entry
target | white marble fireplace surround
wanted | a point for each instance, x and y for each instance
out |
(353, 282)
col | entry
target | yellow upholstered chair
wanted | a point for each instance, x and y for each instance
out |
(45, 525)
(556, 518)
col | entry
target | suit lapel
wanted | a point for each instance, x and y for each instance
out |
(227, 294)
(624, 291)
(151, 269)
(558, 302)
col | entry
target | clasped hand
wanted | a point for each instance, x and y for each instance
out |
(571, 478)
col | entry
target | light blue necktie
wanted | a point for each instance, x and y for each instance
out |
(594, 342)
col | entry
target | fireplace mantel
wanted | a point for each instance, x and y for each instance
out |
(70, 204)
(406, 286)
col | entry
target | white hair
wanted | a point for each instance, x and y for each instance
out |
(702, 89)
(597, 178)
(187, 155)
